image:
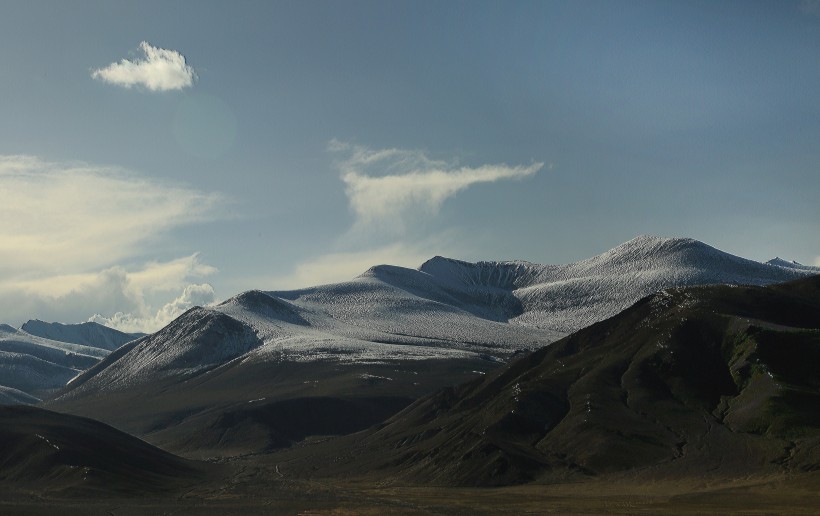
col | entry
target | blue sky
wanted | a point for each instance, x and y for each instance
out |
(281, 144)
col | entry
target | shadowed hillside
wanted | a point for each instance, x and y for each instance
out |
(700, 381)
(57, 452)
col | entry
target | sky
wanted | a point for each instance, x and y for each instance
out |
(158, 155)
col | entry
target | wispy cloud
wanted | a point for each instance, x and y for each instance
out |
(159, 70)
(384, 185)
(60, 217)
(390, 190)
(70, 229)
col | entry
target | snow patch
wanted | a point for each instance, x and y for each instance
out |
(48, 442)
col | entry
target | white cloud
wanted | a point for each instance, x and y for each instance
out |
(160, 70)
(384, 186)
(120, 298)
(63, 218)
(387, 189)
(151, 278)
(69, 231)
(817, 262)
(192, 295)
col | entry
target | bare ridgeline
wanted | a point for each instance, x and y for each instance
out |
(663, 375)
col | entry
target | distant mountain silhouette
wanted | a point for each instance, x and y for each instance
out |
(88, 333)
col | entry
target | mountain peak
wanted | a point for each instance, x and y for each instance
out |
(649, 244)
(265, 304)
(438, 261)
(780, 262)
(87, 333)
(383, 270)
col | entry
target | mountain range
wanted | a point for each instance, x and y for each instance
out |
(40, 358)
(661, 365)
(218, 380)
(716, 381)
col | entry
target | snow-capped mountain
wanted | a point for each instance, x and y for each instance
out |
(780, 262)
(88, 334)
(694, 381)
(32, 367)
(565, 298)
(391, 323)
(444, 309)
(41, 357)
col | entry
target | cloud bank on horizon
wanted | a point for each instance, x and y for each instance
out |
(140, 318)
(159, 70)
(71, 227)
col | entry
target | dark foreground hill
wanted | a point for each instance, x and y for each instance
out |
(53, 452)
(712, 382)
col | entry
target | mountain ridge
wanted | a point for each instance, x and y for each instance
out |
(391, 331)
(38, 366)
(713, 381)
(88, 333)
(602, 285)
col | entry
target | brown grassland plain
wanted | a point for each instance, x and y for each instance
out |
(250, 488)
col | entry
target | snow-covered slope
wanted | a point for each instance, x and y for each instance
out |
(780, 262)
(363, 321)
(445, 309)
(391, 333)
(87, 334)
(36, 366)
(565, 298)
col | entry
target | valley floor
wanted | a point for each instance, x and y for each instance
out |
(261, 489)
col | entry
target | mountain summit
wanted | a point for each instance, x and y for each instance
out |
(565, 298)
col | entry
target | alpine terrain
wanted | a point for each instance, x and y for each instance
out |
(266, 369)
(693, 387)
(40, 358)
(691, 382)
